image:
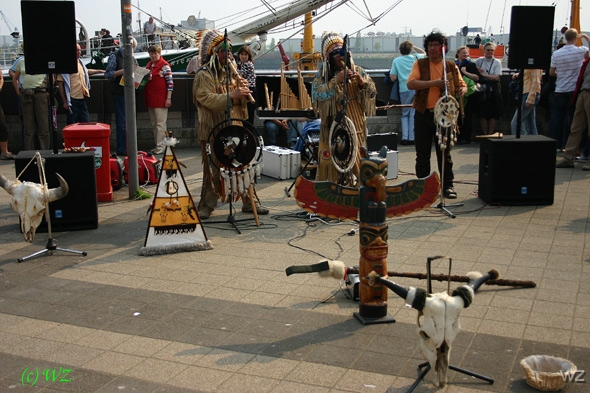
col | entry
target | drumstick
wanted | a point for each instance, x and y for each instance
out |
(253, 203)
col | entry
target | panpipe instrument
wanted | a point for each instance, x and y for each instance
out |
(288, 99)
(304, 98)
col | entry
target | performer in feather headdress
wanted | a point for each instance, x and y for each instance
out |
(210, 97)
(327, 97)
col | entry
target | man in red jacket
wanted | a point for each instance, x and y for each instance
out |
(158, 95)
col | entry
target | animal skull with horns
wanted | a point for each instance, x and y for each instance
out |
(30, 199)
(439, 311)
(440, 317)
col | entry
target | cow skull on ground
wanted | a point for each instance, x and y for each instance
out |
(438, 318)
(30, 199)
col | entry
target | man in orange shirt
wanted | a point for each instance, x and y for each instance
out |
(427, 79)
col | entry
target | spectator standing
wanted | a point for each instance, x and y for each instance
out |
(73, 88)
(158, 95)
(106, 42)
(470, 75)
(400, 70)
(477, 40)
(531, 95)
(490, 70)
(565, 66)
(246, 70)
(428, 80)
(581, 119)
(4, 153)
(33, 96)
(114, 73)
(149, 29)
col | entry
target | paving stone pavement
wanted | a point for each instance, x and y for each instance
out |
(230, 320)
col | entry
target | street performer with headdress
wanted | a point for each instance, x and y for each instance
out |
(210, 96)
(327, 97)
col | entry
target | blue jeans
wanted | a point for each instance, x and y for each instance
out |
(79, 112)
(407, 115)
(561, 113)
(272, 130)
(528, 121)
(120, 123)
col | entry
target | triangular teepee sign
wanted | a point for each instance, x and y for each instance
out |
(174, 225)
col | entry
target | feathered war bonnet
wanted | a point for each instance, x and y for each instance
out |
(211, 41)
(330, 42)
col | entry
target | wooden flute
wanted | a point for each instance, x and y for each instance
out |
(234, 71)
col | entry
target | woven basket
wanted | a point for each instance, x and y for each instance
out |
(545, 372)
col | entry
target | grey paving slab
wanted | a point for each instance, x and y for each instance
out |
(230, 320)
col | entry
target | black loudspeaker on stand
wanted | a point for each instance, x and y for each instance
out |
(515, 171)
(49, 33)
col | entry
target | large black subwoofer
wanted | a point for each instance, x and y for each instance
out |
(517, 171)
(77, 210)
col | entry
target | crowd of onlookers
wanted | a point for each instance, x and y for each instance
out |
(564, 85)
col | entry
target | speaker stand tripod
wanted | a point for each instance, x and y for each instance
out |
(442, 205)
(231, 218)
(424, 368)
(51, 245)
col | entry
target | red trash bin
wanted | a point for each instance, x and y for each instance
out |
(96, 136)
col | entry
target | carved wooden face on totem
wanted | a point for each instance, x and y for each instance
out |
(373, 232)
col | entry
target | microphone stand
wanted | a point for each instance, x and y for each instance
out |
(443, 148)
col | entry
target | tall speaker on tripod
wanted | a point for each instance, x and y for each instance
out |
(43, 57)
(515, 171)
(43, 54)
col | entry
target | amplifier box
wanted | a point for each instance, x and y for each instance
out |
(391, 163)
(517, 171)
(376, 141)
(77, 210)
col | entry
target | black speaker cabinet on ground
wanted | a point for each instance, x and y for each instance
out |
(531, 37)
(376, 141)
(77, 210)
(517, 171)
(49, 33)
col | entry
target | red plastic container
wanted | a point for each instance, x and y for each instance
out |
(96, 136)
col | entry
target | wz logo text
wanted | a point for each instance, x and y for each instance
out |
(577, 376)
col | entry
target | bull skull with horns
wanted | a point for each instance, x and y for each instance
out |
(440, 317)
(30, 199)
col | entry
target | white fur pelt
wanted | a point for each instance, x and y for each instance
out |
(337, 270)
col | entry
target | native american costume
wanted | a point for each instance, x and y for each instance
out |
(327, 95)
(210, 98)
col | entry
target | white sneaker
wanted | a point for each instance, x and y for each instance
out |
(581, 158)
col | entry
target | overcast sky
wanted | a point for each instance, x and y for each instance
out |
(417, 16)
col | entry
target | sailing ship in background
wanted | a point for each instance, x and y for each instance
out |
(180, 43)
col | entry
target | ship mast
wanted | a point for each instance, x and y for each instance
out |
(575, 19)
